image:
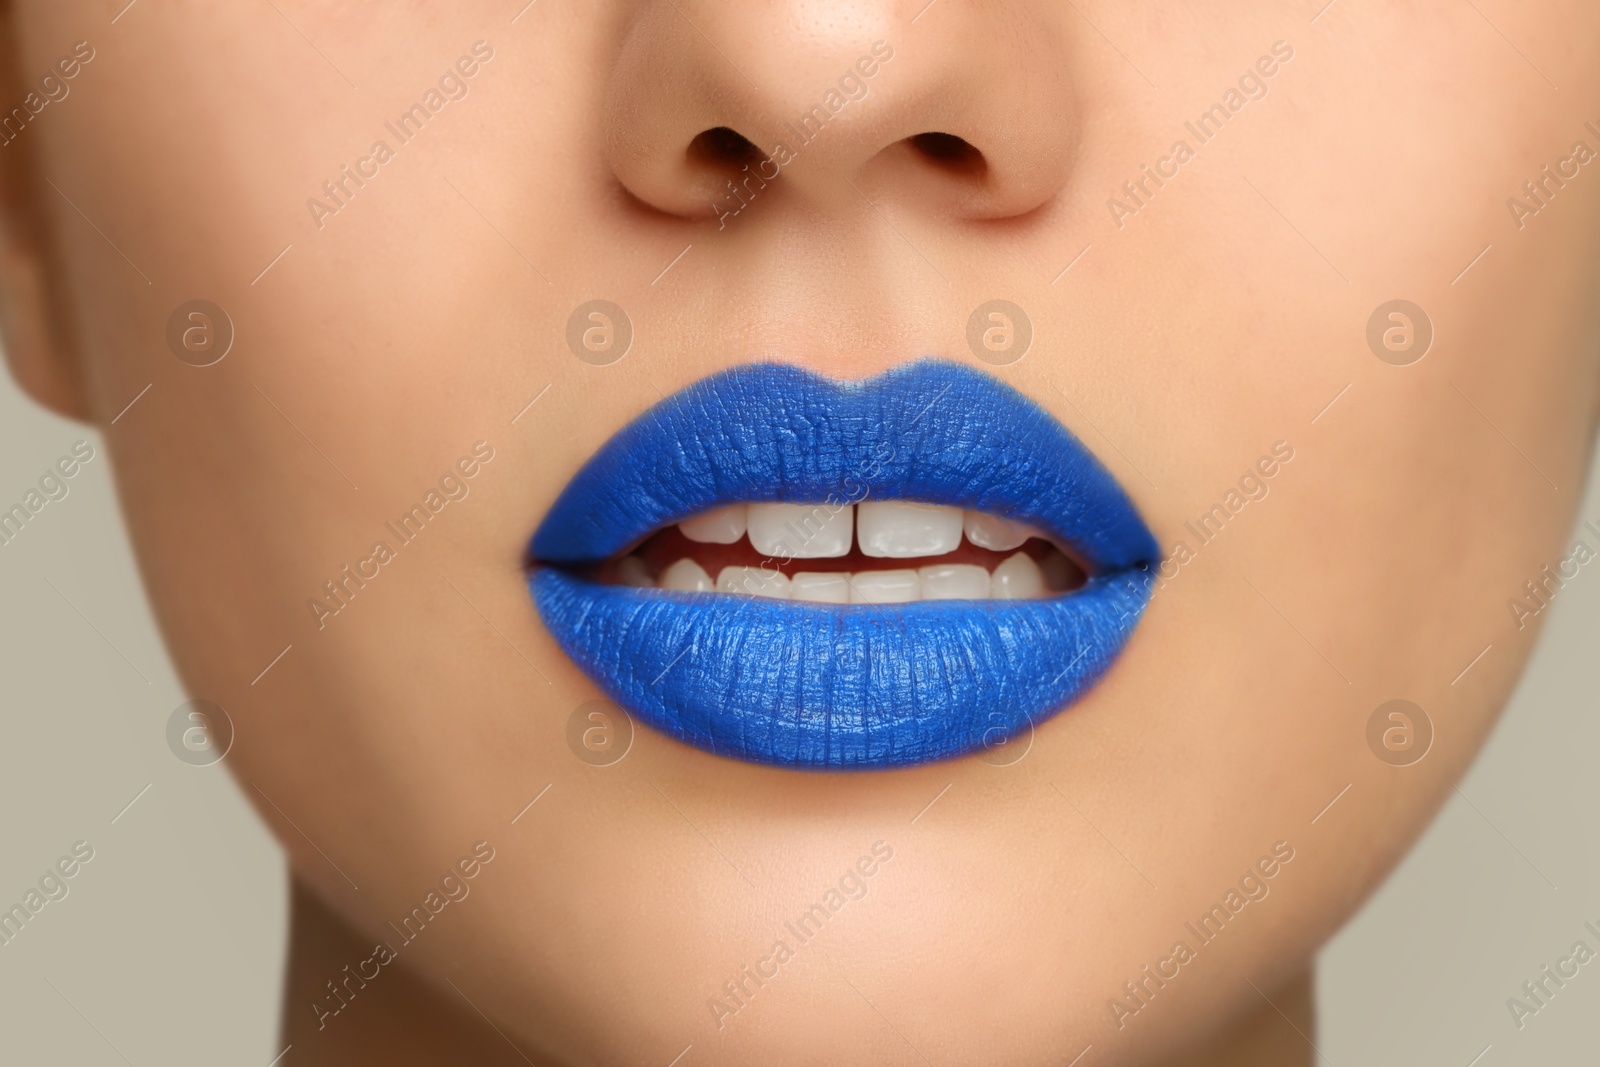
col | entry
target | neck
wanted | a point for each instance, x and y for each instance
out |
(1272, 1034)
(396, 1019)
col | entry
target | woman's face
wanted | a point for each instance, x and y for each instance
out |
(1203, 215)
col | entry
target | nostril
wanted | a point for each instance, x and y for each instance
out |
(723, 148)
(951, 153)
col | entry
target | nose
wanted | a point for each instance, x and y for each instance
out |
(963, 109)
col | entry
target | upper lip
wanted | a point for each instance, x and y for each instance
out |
(933, 432)
(863, 685)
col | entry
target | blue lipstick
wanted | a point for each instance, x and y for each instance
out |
(828, 686)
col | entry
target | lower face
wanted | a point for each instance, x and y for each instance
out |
(1014, 888)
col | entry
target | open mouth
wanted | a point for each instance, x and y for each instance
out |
(874, 552)
(778, 567)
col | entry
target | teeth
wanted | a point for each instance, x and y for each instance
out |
(820, 587)
(753, 581)
(801, 531)
(719, 526)
(954, 581)
(898, 529)
(687, 576)
(885, 587)
(993, 532)
(1017, 578)
(888, 529)
(631, 571)
(884, 529)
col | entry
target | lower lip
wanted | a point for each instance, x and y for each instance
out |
(828, 686)
(834, 687)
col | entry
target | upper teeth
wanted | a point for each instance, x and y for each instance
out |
(719, 526)
(991, 531)
(887, 529)
(801, 531)
(898, 529)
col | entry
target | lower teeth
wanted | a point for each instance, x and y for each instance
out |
(1018, 577)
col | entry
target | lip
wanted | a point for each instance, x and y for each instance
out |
(824, 686)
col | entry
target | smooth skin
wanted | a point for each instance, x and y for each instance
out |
(427, 313)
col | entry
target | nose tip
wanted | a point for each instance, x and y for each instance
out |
(715, 101)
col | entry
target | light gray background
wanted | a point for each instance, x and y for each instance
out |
(169, 947)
